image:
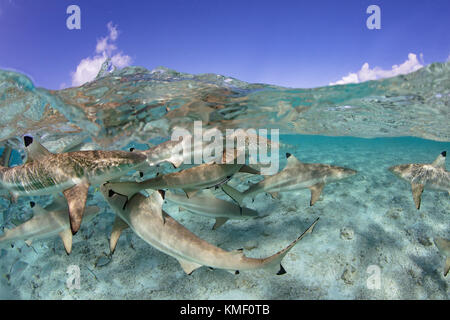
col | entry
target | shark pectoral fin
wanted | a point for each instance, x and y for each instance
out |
(316, 190)
(447, 266)
(76, 199)
(188, 266)
(34, 149)
(417, 190)
(28, 242)
(248, 169)
(233, 193)
(190, 192)
(66, 237)
(118, 227)
(219, 222)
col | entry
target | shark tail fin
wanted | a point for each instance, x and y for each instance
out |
(274, 262)
(233, 193)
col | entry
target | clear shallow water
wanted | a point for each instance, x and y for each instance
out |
(377, 207)
(137, 107)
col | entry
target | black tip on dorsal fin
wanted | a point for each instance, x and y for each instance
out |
(241, 249)
(444, 153)
(32, 204)
(282, 271)
(236, 272)
(110, 193)
(141, 174)
(132, 149)
(27, 140)
(162, 193)
(288, 155)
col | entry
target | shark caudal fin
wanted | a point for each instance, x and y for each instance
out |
(274, 262)
(233, 194)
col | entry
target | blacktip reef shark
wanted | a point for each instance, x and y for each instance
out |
(430, 176)
(444, 247)
(72, 173)
(296, 175)
(45, 223)
(143, 215)
(208, 205)
(191, 180)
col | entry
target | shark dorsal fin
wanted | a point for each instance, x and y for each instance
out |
(291, 160)
(440, 160)
(188, 266)
(34, 149)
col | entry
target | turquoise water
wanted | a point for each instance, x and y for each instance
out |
(367, 222)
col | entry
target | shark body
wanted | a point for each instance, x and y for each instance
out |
(296, 175)
(190, 180)
(206, 204)
(72, 173)
(143, 214)
(444, 248)
(424, 176)
(46, 222)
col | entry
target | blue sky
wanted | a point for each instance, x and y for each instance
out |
(291, 43)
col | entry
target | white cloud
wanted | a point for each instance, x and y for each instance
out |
(89, 67)
(366, 73)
